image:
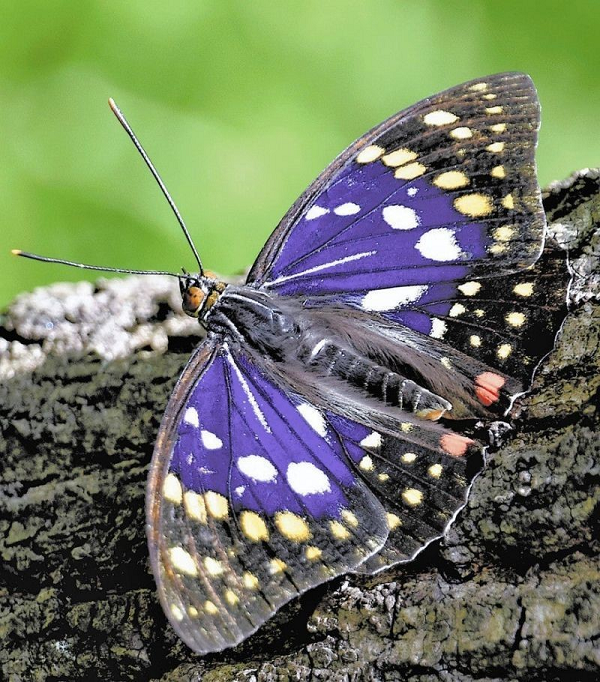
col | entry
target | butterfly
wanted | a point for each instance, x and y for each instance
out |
(322, 426)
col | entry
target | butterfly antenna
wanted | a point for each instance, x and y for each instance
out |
(45, 259)
(123, 121)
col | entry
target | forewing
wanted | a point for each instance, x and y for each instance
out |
(440, 194)
(251, 500)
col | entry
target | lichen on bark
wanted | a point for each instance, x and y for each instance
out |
(511, 593)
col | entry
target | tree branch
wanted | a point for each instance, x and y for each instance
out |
(511, 593)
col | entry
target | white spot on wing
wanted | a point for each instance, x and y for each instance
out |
(411, 191)
(257, 468)
(400, 217)
(324, 266)
(314, 418)
(388, 299)
(305, 478)
(347, 209)
(373, 440)
(191, 417)
(210, 440)
(315, 212)
(438, 328)
(439, 244)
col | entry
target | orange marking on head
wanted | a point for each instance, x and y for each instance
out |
(487, 387)
(455, 445)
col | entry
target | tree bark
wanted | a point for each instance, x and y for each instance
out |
(511, 593)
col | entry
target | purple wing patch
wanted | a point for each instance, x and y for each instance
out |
(368, 228)
(252, 500)
(258, 448)
(439, 195)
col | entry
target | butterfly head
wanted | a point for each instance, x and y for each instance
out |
(199, 294)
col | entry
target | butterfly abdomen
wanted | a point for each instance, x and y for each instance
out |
(329, 357)
(286, 333)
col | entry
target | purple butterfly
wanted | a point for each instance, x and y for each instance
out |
(320, 427)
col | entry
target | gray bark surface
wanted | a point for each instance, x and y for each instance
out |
(512, 592)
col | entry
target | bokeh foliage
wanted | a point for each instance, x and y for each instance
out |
(240, 105)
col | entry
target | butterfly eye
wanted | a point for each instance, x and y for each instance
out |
(193, 300)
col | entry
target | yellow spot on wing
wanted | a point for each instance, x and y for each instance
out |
(406, 427)
(474, 205)
(504, 351)
(504, 233)
(231, 597)
(498, 127)
(490, 95)
(172, 489)
(370, 153)
(393, 521)
(408, 457)
(470, 288)
(216, 504)
(383, 477)
(338, 531)
(495, 147)
(462, 133)
(277, 566)
(446, 363)
(493, 110)
(435, 470)
(399, 157)
(508, 201)
(313, 553)
(194, 506)
(525, 289)
(213, 566)
(192, 611)
(478, 87)
(412, 496)
(250, 580)
(410, 171)
(456, 310)
(177, 613)
(253, 527)
(349, 518)
(210, 608)
(292, 526)
(366, 463)
(183, 561)
(451, 180)
(515, 319)
(439, 118)
(498, 172)
(475, 340)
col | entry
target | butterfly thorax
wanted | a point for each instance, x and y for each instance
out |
(281, 329)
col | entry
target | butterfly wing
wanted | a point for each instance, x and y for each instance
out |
(433, 220)
(255, 496)
(251, 501)
(421, 487)
(443, 189)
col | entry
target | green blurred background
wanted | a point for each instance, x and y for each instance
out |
(240, 104)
